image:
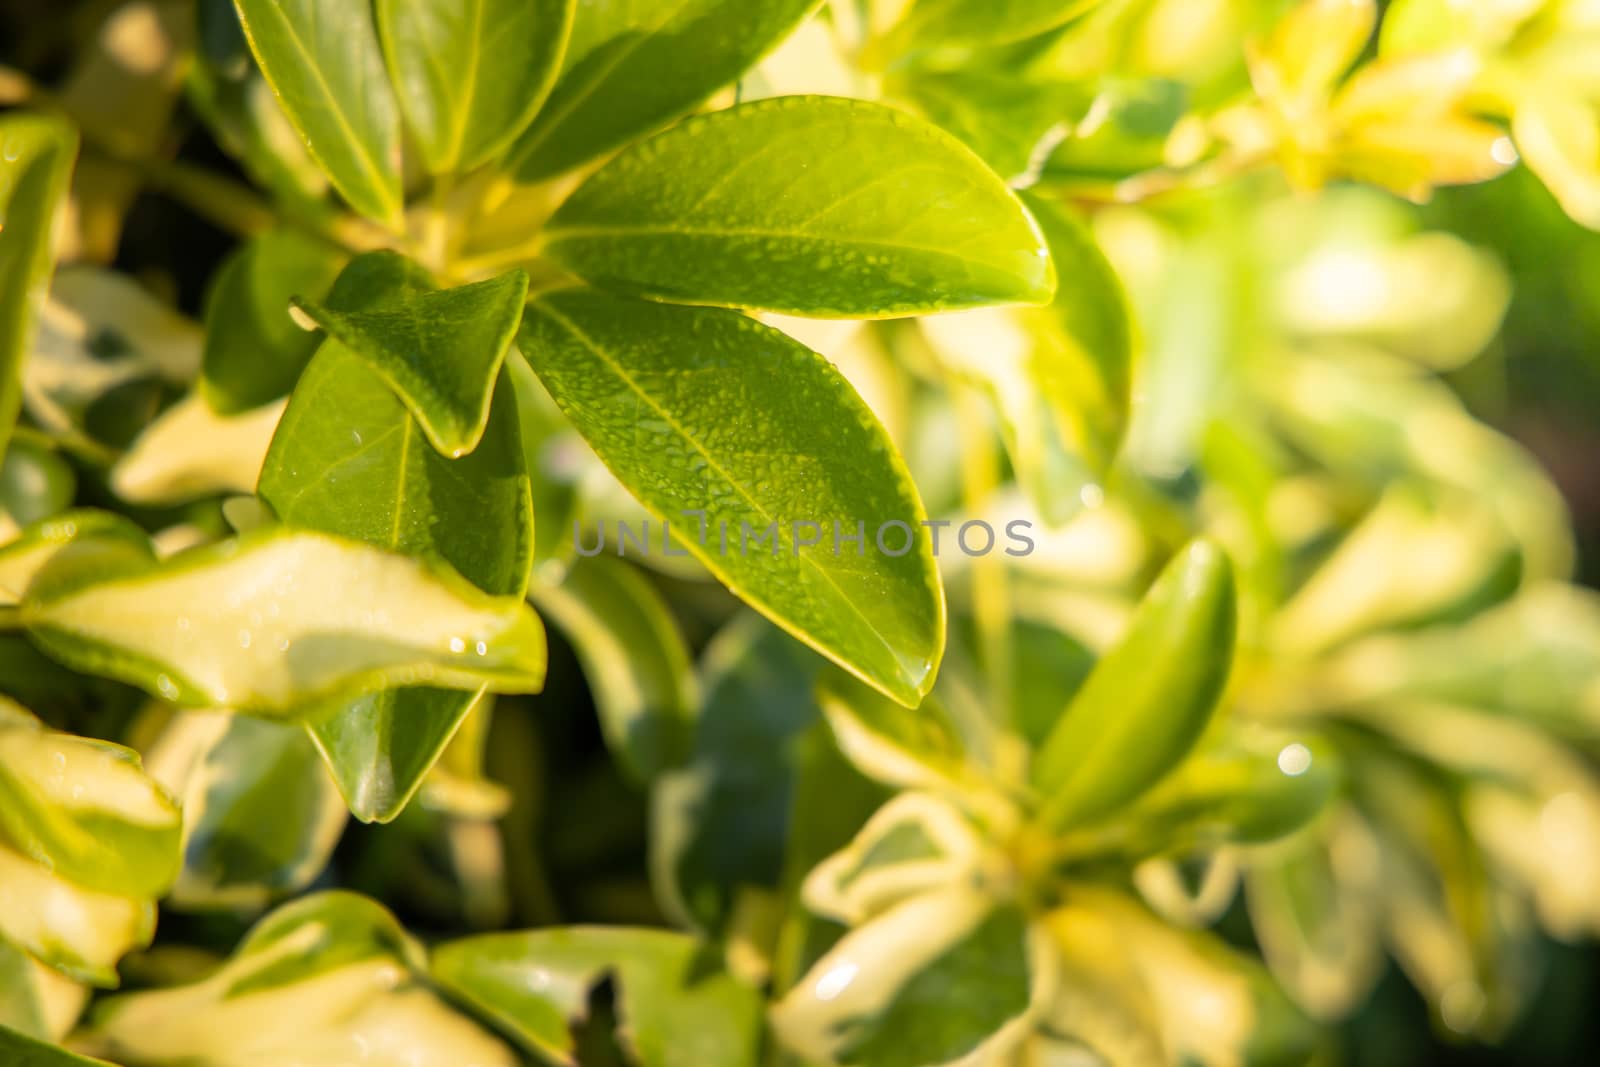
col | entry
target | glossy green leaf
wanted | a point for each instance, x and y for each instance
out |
(718, 824)
(310, 617)
(811, 205)
(1247, 788)
(939, 977)
(633, 66)
(226, 89)
(323, 61)
(1147, 699)
(254, 351)
(1012, 124)
(350, 459)
(973, 23)
(634, 658)
(704, 413)
(261, 815)
(36, 155)
(85, 809)
(551, 453)
(20, 1050)
(329, 978)
(471, 76)
(677, 1008)
(440, 351)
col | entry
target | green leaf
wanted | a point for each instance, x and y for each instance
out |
(1148, 699)
(705, 412)
(719, 824)
(941, 976)
(549, 448)
(892, 743)
(261, 815)
(36, 155)
(1209, 1003)
(1085, 365)
(1440, 895)
(1010, 123)
(635, 660)
(916, 843)
(1535, 657)
(73, 803)
(1314, 907)
(631, 67)
(1248, 787)
(976, 23)
(278, 619)
(226, 89)
(322, 59)
(20, 1050)
(350, 459)
(440, 351)
(22, 559)
(85, 809)
(35, 483)
(163, 466)
(254, 351)
(79, 932)
(676, 1007)
(104, 342)
(34, 1000)
(1412, 561)
(349, 928)
(329, 978)
(811, 205)
(470, 77)
(1135, 120)
(1059, 377)
(1357, 418)
(1052, 663)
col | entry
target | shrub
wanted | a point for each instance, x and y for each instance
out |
(997, 506)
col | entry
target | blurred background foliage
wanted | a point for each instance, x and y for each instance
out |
(1312, 348)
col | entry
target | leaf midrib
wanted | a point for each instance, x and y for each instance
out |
(666, 416)
(558, 235)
